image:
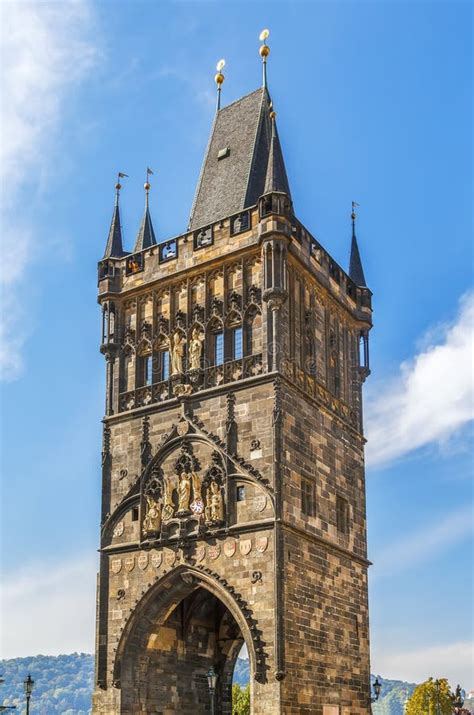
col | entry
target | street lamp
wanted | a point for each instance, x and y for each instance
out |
(377, 686)
(212, 681)
(28, 684)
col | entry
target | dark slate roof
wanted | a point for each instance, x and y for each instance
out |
(276, 178)
(356, 272)
(236, 181)
(114, 247)
(146, 234)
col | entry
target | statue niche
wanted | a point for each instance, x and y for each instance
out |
(153, 514)
(212, 484)
(186, 467)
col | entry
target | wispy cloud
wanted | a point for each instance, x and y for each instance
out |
(453, 661)
(431, 399)
(426, 543)
(49, 609)
(47, 49)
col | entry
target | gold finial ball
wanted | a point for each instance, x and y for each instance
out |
(118, 186)
(219, 78)
(273, 114)
(264, 51)
(147, 186)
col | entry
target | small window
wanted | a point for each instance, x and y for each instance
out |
(168, 250)
(308, 497)
(218, 348)
(342, 515)
(135, 513)
(240, 493)
(134, 264)
(237, 343)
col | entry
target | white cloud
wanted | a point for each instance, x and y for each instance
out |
(49, 609)
(46, 50)
(431, 399)
(453, 661)
(425, 543)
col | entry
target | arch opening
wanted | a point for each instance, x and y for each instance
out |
(178, 636)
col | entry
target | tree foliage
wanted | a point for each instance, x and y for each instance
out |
(432, 697)
(240, 700)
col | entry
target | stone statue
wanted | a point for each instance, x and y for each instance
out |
(215, 503)
(197, 505)
(168, 506)
(184, 493)
(177, 342)
(195, 349)
(152, 520)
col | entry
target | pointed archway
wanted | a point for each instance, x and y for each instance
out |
(184, 624)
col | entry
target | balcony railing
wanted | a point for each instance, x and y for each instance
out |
(198, 380)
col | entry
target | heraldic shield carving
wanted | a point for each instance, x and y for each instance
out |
(179, 496)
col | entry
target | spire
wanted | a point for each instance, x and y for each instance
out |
(275, 179)
(146, 234)
(264, 52)
(114, 247)
(219, 80)
(356, 272)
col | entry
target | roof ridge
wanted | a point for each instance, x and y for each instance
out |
(254, 145)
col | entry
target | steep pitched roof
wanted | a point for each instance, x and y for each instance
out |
(114, 246)
(356, 272)
(235, 166)
(146, 234)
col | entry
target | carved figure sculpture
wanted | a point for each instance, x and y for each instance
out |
(168, 506)
(177, 342)
(215, 504)
(197, 505)
(152, 520)
(195, 349)
(184, 493)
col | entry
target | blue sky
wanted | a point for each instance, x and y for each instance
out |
(373, 103)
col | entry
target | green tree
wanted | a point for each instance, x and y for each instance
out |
(240, 700)
(433, 697)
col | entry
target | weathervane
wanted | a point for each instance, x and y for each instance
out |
(118, 185)
(219, 79)
(354, 216)
(264, 52)
(147, 184)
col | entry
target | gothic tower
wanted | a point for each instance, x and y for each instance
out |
(233, 493)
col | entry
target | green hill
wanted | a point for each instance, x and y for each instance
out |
(64, 684)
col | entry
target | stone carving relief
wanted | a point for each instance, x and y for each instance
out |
(175, 492)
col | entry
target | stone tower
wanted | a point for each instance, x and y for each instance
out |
(233, 493)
